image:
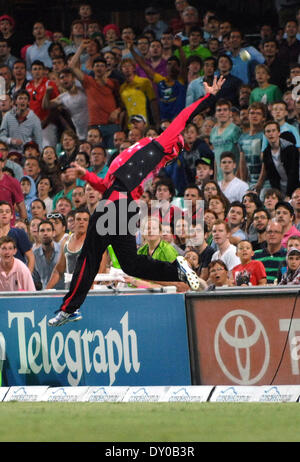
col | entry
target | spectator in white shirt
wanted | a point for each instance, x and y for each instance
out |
(233, 188)
(226, 251)
(73, 98)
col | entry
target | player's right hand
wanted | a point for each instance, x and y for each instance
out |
(76, 169)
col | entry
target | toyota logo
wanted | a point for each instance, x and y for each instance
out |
(241, 330)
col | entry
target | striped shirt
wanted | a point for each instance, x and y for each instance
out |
(272, 262)
(28, 130)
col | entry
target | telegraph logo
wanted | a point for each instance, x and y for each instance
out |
(236, 342)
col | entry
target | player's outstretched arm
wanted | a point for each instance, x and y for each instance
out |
(76, 171)
(169, 137)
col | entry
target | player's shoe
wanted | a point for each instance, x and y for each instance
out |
(62, 318)
(186, 274)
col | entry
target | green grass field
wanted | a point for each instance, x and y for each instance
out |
(148, 422)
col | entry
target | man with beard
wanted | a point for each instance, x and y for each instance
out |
(46, 256)
(68, 186)
(78, 197)
(73, 99)
(261, 219)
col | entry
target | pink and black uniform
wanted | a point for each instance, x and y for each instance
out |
(124, 181)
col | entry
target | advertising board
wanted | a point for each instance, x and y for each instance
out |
(122, 340)
(245, 337)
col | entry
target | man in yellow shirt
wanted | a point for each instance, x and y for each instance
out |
(135, 92)
(171, 89)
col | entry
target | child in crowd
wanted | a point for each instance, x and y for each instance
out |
(265, 92)
(204, 170)
(248, 272)
(292, 275)
(293, 241)
(29, 191)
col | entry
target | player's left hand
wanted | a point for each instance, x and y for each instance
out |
(216, 86)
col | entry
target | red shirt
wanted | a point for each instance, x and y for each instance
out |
(10, 191)
(254, 270)
(37, 94)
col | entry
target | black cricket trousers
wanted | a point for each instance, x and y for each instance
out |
(124, 246)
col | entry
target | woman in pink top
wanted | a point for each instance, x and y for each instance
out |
(14, 274)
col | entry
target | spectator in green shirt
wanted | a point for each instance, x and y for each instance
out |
(155, 246)
(68, 186)
(225, 135)
(195, 46)
(265, 92)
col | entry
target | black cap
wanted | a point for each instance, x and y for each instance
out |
(204, 160)
(151, 10)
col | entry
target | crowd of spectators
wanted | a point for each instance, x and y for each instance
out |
(88, 93)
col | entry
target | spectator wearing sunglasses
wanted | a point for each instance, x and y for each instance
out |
(60, 226)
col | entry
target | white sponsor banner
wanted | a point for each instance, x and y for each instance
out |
(278, 393)
(234, 394)
(105, 394)
(3, 391)
(145, 394)
(65, 394)
(189, 394)
(26, 393)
